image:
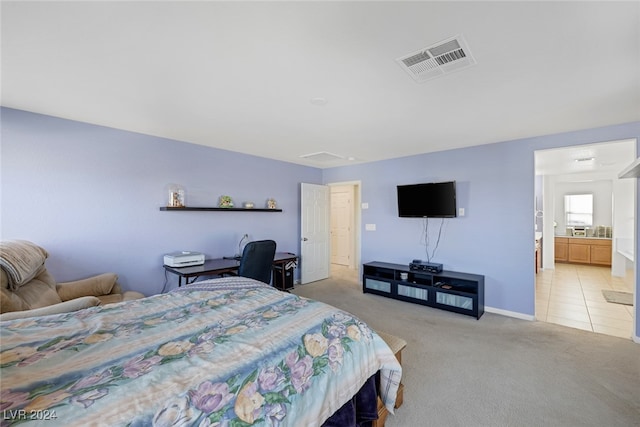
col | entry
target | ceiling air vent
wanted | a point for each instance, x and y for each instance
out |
(436, 60)
(322, 157)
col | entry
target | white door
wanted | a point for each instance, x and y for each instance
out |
(341, 225)
(314, 251)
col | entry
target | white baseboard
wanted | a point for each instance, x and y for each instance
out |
(509, 313)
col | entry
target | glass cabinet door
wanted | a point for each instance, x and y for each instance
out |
(377, 285)
(413, 292)
(454, 300)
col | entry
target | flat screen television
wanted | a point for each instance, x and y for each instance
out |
(432, 200)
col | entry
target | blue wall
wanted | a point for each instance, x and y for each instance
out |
(496, 186)
(90, 195)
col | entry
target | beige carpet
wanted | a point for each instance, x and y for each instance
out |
(497, 371)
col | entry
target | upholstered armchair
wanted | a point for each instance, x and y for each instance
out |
(27, 289)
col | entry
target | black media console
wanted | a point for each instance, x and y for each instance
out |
(448, 290)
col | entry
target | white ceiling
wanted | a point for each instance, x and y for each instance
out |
(242, 75)
(592, 161)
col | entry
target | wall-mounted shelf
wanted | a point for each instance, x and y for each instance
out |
(167, 208)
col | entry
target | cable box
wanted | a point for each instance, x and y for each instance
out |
(431, 267)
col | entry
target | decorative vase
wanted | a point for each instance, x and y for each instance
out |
(176, 196)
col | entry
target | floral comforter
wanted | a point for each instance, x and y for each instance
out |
(222, 352)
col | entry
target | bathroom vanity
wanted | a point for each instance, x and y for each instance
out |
(583, 250)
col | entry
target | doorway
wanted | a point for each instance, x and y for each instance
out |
(569, 288)
(344, 202)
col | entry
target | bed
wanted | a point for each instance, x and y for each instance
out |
(221, 352)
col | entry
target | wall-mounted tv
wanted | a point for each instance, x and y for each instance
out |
(432, 200)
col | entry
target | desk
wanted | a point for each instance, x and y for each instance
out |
(217, 266)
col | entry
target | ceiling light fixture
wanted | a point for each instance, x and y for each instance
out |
(585, 159)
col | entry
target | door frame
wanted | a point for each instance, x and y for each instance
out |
(357, 220)
(346, 218)
(548, 183)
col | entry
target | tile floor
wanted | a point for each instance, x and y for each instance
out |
(571, 295)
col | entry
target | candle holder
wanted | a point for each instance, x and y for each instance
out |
(176, 196)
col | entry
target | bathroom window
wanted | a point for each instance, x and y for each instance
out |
(578, 210)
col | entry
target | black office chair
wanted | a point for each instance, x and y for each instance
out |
(257, 260)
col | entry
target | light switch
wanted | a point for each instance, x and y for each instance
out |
(460, 211)
(370, 227)
(365, 206)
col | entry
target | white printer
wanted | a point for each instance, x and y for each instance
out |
(183, 259)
